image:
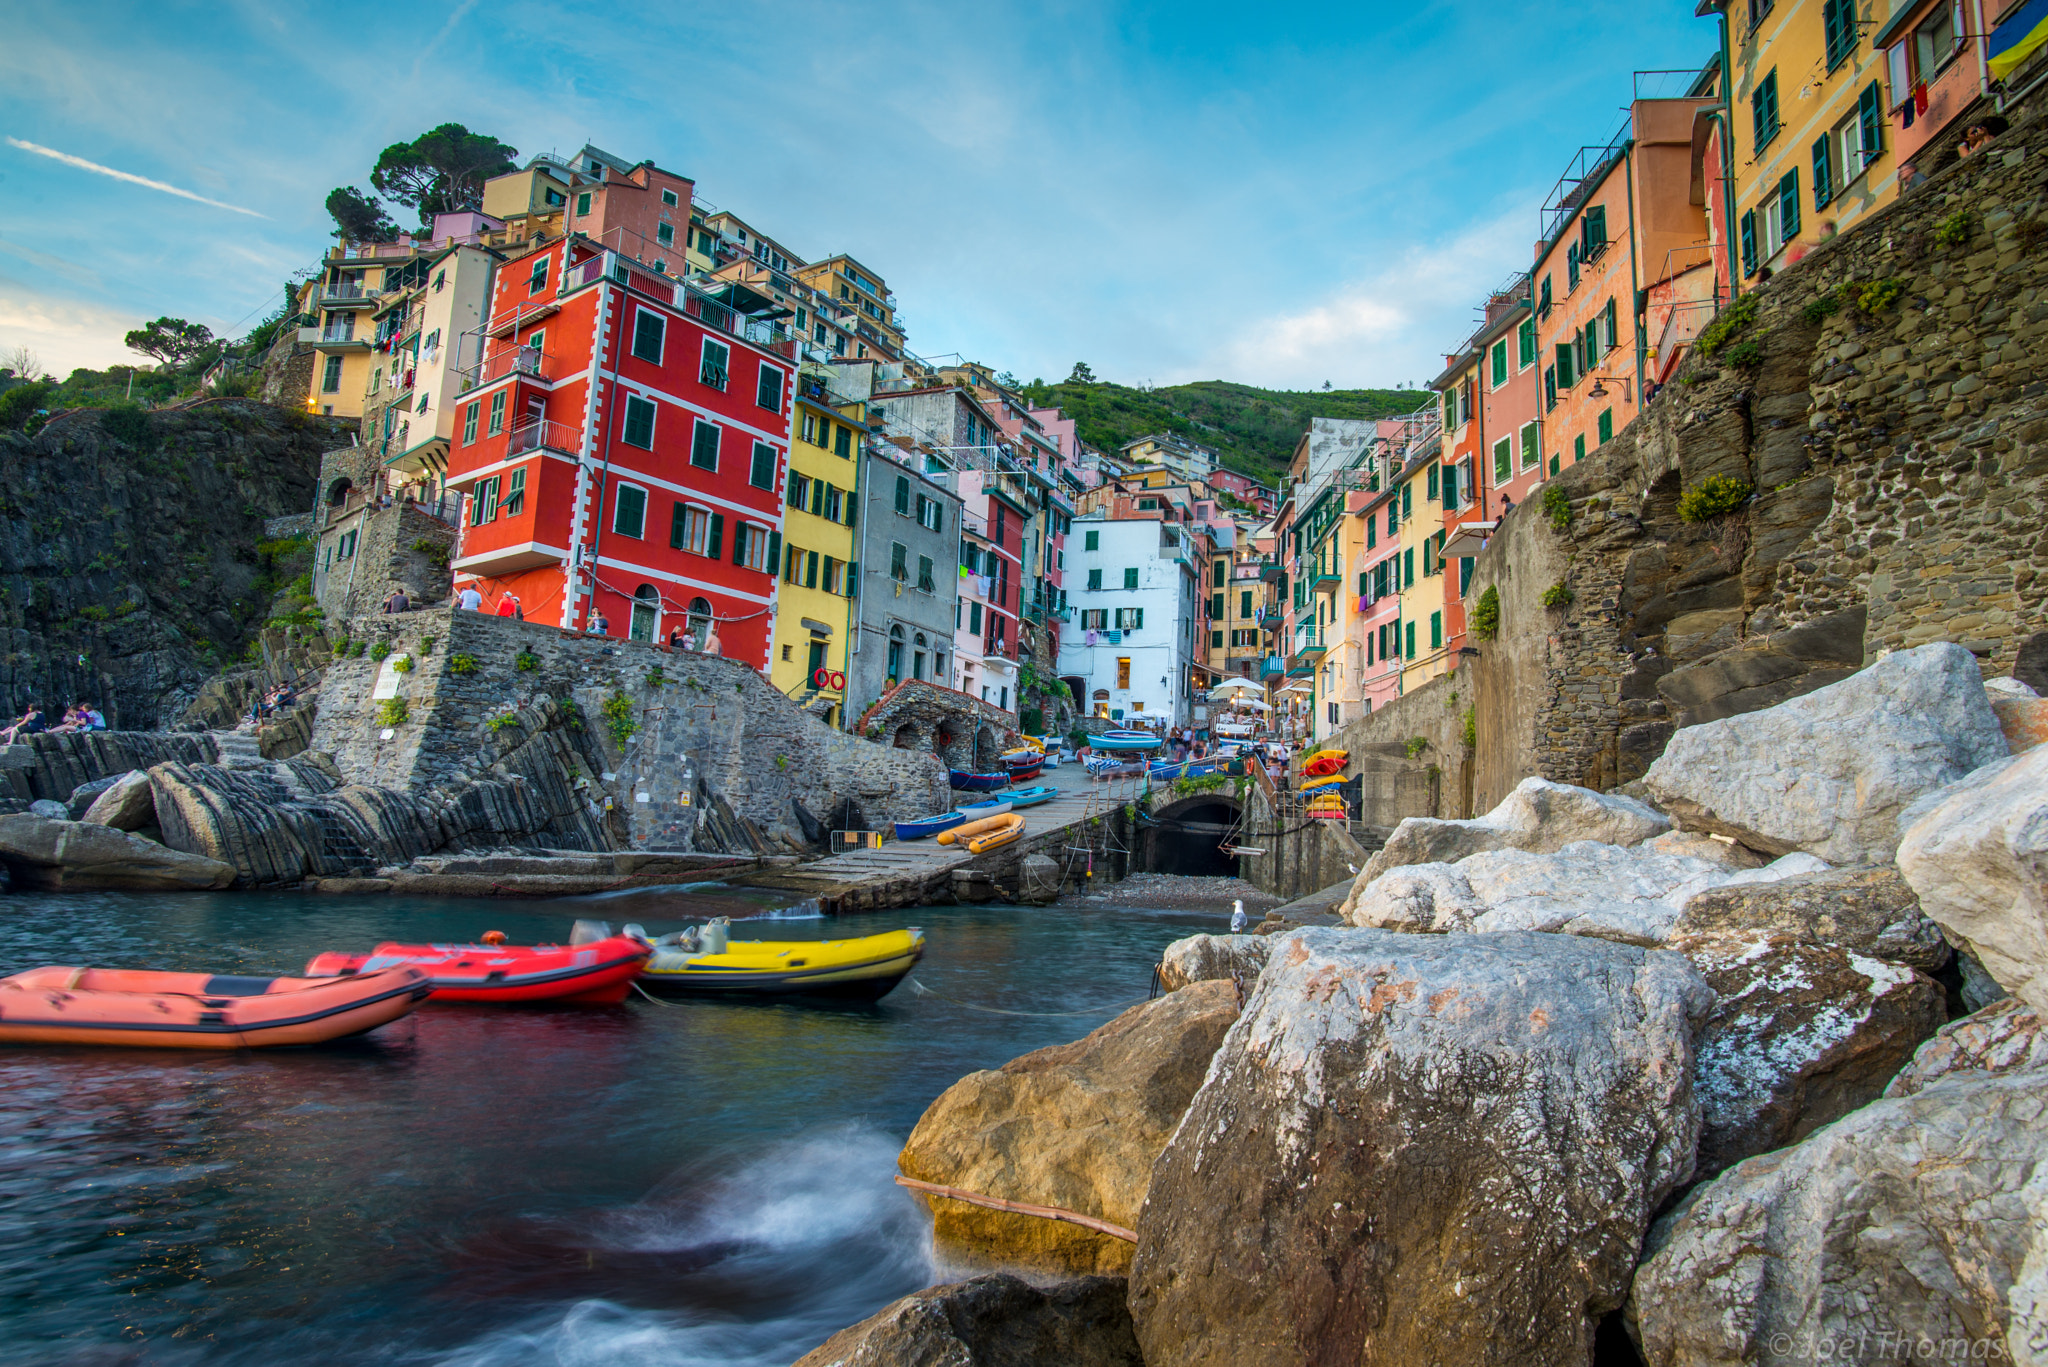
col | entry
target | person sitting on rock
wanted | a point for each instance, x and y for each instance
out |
(29, 723)
(398, 602)
(93, 718)
(599, 624)
(69, 724)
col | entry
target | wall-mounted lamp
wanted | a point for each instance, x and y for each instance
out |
(1473, 651)
(1599, 389)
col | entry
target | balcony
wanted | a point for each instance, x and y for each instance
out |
(339, 339)
(1326, 580)
(350, 295)
(528, 361)
(519, 316)
(1272, 667)
(1309, 646)
(1271, 616)
(544, 434)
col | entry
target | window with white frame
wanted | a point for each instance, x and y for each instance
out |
(712, 369)
(690, 530)
(755, 554)
(629, 511)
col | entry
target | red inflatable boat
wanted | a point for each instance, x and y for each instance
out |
(128, 1006)
(584, 972)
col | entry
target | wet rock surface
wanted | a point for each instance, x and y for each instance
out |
(74, 855)
(1421, 1149)
(1076, 1127)
(992, 1321)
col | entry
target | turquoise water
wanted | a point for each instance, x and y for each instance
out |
(696, 1183)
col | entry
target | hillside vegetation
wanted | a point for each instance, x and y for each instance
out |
(1252, 429)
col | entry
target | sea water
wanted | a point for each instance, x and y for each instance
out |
(699, 1182)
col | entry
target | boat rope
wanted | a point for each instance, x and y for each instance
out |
(651, 997)
(975, 1198)
(919, 987)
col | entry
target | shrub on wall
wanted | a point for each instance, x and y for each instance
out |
(380, 650)
(1557, 595)
(618, 717)
(391, 712)
(1557, 506)
(463, 663)
(403, 664)
(525, 661)
(1712, 497)
(1729, 325)
(1486, 614)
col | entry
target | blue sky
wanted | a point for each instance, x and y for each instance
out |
(1280, 194)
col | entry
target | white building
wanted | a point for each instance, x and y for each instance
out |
(1130, 652)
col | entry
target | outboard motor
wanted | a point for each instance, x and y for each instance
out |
(716, 935)
(590, 932)
(633, 931)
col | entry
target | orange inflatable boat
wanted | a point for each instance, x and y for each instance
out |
(199, 1010)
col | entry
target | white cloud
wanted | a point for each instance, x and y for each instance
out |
(64, 333)
(1393, 324)
(82, 164)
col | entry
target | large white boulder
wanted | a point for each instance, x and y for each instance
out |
(1538, 815)
(1199, 958)
(1906, 1231)
(1635, 895)
(1421, 1149)
(1830, 771)
(1869, 909)
(1977, 855)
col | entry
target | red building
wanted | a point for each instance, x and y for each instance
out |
(623, 444)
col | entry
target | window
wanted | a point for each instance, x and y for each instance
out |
(1788, 205)
(1531, 457)
(757, 548)
(1411, 640)
(1436, 631)
(1838, 25)
(639, 423)
(1870, 122)
(1763, 109)
(483, 502)
(1130, 579)
(1593, 233)
(704, 446)
(330, 383)
(810, 428)
(538, 280)
(583, 204)
(1567, 365)
(668, 197)
(1610, 332)
(1503, 460)
(799, 490)
(469, 415)
(1432, 483)
(974, 618)
(768, 389)
(515, 493)
(497, 423)
(1606, 426)
(711, 370)
(1525, 344)
(1571, 267)
(1215, 640)
(927, 578)
(842, 442)
(665, 234)
(931, 514)
(1244, 603)
(1091, 541)
(899, 562)
(629, 511)
(1500, 363)
(762, 474)
(1578, 448)
(1749, 261)
(1935, 41)
(1095, 581)
(838, 507)
(1408, 568)
(1130, 619)
(1094, 619)
(554, 199)
(1542, 308)
(691, 529)
(1549, 387)
(648, 329)
(1123, 671)
(1408, 499)
(1216, 605)
(903, 495)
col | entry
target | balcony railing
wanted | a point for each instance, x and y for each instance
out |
(524, 360)
(349, 292)
(536, 434)
(335, 334)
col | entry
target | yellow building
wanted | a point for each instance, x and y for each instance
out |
(1423, 642)
(341, 299)
(876, 329)
(813, 603)
(534, 199)
(1809, 116)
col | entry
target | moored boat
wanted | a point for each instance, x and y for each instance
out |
(1027, 769)
(127, 1006)
(706, 960)
(596, 967)
(976, 811)
(992, 834)
(963, 781)
(1125, 740)
(1108, 766)
(928, 825)
(963, 835)
(1030, 797)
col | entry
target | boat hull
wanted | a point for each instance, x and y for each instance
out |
(1031, 797)
(127, 1007)
(927, 826)
(867, 969)
(994, 834)
(962, 781)
(1125, 740)
(599, 973)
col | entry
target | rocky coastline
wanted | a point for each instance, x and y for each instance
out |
(1745, 1065)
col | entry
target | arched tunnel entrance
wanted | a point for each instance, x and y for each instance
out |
(1184, 837)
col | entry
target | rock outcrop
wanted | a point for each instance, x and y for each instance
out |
(1538, 815)
(1977, 855)
(1421, 1149)
(127, 803)
(2022, 713)
(1202, 958)
(1634, 896)
(1893, 1235)
(992, 1321)
(75, 855)
(2004, 1037)
(1800, 1034)
(1829, 772)
(1869, 909)
(1077, 1126)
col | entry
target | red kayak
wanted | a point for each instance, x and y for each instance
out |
(593, 972)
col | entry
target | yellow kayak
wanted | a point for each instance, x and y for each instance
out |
(704, 960)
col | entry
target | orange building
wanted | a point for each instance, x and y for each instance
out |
(1622, 221)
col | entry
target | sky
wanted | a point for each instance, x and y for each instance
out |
(1278, 194)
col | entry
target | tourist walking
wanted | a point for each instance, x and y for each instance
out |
(508, 606)
(469, 600)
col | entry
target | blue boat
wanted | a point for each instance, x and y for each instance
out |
(1187, 768)
(1125, 740)
(1031, 797)
(928, 825)
(976, 783)
(975, 811)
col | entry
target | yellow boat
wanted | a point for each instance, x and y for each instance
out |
(965, 833)
(705, 960)
(997, 832)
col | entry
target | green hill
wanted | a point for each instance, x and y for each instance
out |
(1252, 429)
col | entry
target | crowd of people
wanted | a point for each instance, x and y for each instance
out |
(80, 716)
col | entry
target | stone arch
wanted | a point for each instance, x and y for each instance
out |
(338, 492)
(988, 748)
(700, 618)
(906, 737)
(1183, 836)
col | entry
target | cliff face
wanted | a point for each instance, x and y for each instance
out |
(132, 560)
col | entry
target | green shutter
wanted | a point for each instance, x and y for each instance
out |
(903, 495)
(1749, 242)
(1565, 373)
(1244, 603)
(1870, 121)
(1606, 425)
(1408, 499)
(1579, 448)
(1525, 341)
(1411, 640)
(1372, 532)
(775, 549)
(677, 522)
(1500, 363)
(1408, 568)
(1612, 323)
(1823, 173)
(1432, 484)
(717, 538)
(1436, 631)
(639, 423)
(1788, 204)
(740, 536)
(852, 580)
(1222, 570)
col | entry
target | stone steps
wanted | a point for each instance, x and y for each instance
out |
(238, 749)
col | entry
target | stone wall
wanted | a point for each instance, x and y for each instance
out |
(1302, 854)
(402, 546)
(963, 731)
(54, 766)
(715, 755)
(1398, 778)
(1898, 449)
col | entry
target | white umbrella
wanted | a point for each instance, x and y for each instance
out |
(1253, 703)
(1229, 685)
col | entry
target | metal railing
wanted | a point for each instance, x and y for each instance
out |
(524, 360)
(537, 434)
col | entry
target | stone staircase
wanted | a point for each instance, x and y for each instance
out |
(238, 749)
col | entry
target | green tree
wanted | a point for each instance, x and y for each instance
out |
(441, 171)
(1082, 374)
(173, 341)
(358, 217)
